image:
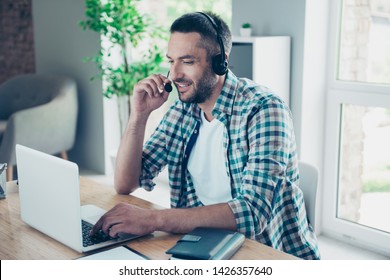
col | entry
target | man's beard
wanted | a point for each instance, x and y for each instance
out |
(203, 90)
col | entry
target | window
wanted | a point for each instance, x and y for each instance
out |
(357, 156)
(166, 11)
(365, 41)
(364, 166)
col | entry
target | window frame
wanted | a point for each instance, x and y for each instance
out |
(357, 93)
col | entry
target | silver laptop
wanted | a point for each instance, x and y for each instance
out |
(50, 201)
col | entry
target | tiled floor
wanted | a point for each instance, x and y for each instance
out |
(330, 248)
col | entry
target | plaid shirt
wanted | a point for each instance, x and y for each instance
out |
(261, 162)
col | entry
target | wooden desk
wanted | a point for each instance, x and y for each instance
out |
(20, 241)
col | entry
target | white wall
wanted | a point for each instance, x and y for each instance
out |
(60, 46)
(313, 100)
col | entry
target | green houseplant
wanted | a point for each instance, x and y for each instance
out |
(246, 25)
(123, 28)
(246, 29)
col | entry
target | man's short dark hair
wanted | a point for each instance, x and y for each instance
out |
(196, 22)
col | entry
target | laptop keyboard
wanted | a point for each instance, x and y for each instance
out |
(95, 239)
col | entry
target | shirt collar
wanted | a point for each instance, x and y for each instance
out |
(224, 103)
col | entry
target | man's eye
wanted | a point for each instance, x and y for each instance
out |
(189, 62)
(170, 61)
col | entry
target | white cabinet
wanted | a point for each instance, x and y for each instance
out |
(265, 60)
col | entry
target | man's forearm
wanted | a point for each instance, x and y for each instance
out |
(129, 157)
(185, 220)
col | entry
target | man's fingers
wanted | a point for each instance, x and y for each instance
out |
(96, 227)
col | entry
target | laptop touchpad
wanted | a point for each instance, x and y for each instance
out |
(91, 213)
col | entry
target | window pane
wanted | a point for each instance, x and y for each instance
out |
(364, 54)
(166, 11)
(364, 168)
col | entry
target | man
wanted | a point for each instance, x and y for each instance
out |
(228, 143)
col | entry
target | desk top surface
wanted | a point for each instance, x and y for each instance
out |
(20, 241)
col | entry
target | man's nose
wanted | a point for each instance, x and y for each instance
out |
(175, 72)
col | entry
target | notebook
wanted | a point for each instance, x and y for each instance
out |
(207, 244)
(49, 193)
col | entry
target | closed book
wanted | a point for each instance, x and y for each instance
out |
(207, 244)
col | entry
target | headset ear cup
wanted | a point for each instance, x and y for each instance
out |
(220, 65)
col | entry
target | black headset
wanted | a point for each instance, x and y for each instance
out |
(219, 61)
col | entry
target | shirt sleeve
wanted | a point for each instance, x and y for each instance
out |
(271, 141)
(153, 157)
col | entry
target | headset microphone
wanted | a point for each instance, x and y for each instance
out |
(168, 86)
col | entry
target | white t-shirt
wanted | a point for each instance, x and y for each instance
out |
(206, 164)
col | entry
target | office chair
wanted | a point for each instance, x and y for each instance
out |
(38, 111)
(308, 181)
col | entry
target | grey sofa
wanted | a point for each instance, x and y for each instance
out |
(38, 111)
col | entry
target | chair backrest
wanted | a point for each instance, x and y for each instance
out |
(40, 112)
(27, 91)
(308, 182)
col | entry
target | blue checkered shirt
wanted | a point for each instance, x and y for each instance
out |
(261, 161)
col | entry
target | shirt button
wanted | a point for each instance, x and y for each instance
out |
(195, 131)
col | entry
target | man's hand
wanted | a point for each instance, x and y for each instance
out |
(149, 94)
(126, 218)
